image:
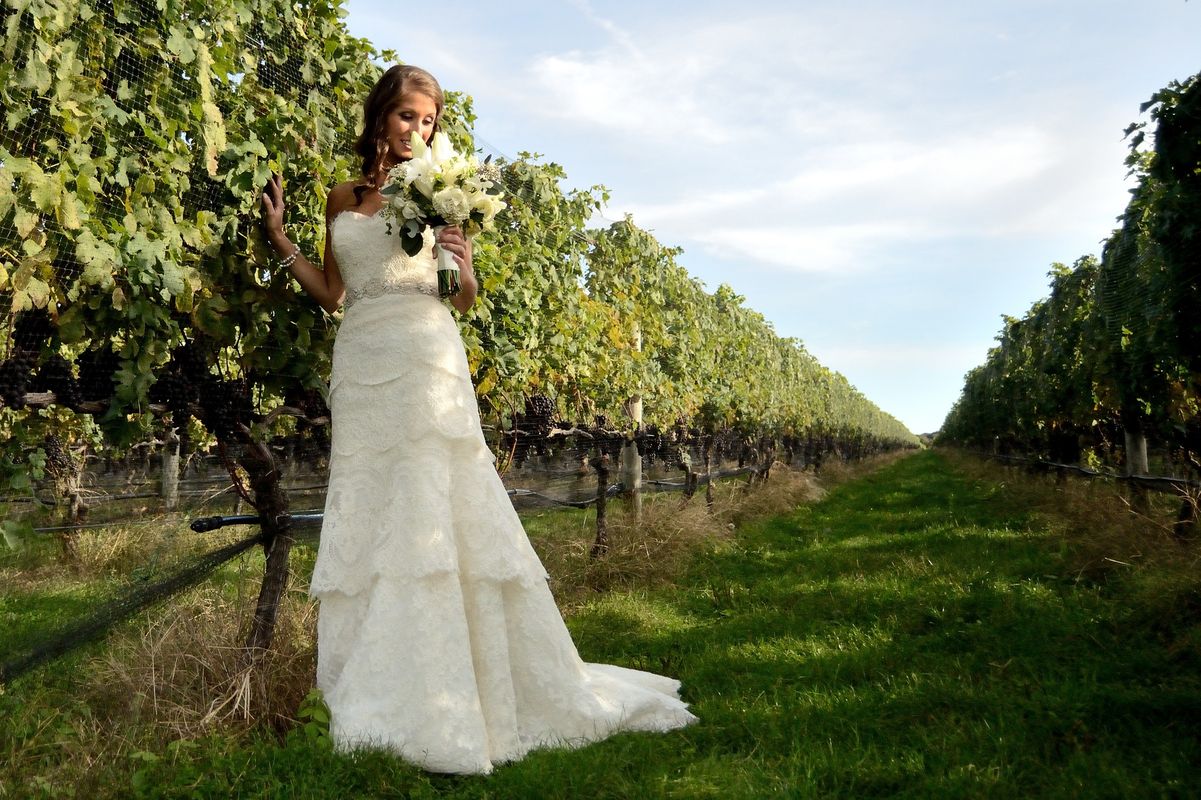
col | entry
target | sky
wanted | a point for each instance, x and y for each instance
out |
(882, 181)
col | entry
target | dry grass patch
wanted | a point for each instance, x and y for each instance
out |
(1107, 535)
(653, 551)
(650, 552)
(114, 551)
(183, 667)
(1108, 544)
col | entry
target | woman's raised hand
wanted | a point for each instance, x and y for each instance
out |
(452, 239)
(273, 205)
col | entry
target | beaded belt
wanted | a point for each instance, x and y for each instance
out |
(376, 288)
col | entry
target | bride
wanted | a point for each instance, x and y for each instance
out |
(438, 637)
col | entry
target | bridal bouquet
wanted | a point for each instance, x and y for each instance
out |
(437, 187)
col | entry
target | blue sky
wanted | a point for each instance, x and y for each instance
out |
(881, 180)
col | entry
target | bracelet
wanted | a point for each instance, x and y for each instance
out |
(287, 262)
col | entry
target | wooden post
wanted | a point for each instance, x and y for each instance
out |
(601, 465)
(169, 485)
(291, 461)
(768, 448)
(689, 477)
(754, 459)
(709, 471)
(65, 472)
(1136, 464)
(1136, 452)
(631, 476)
(631, 461)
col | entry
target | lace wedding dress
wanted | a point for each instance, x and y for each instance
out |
(437, 635)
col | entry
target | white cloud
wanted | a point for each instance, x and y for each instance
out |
(801, 248)
(825, 180)
(707, 80)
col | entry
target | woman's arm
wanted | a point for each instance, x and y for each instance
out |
(323, 285)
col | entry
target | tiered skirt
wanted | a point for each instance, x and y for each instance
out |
(438, 637)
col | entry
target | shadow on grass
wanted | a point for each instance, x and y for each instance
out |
(914, 633)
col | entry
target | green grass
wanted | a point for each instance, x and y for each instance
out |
(917, 633)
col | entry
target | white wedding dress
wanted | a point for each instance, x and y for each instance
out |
(437, 635)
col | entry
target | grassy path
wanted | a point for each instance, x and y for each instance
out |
(914, 634)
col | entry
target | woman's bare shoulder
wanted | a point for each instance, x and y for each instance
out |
(340, 197)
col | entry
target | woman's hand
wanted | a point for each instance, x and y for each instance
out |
(273, 206)
(452, 240)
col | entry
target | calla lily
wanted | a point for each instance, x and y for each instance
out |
(443, 149)
(417, 145)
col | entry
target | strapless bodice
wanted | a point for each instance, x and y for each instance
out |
(373, 262)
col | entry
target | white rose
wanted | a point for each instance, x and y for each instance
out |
(452, 204)
(399, 174)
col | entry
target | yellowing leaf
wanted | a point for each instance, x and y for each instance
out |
(93, 251)
(181, 44)
(36, 294)
(46, 192)
(173, 279)
(67, 212)
(486, 384)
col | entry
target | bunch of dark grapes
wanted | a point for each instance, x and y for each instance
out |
(15, 374)
(97, 371)
(55, 376)
(539, 411)
(224, 406)
(192, 360)
(318, 441)
(522, 450)
(33, 329)
(174, 390)
(612, 443)
(59, 463)
(310, 403)
(650, 444)
(180, 381)
(540, 406)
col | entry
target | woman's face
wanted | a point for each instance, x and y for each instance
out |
(416, 112)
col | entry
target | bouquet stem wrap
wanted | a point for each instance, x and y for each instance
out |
(448, 269)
